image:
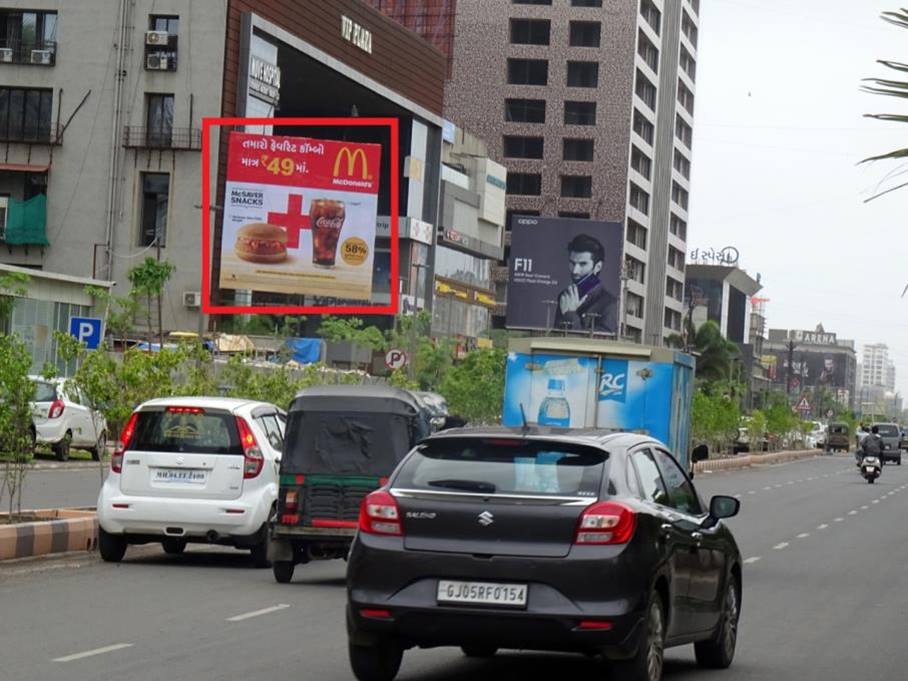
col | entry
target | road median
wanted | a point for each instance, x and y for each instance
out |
(48, 531)
(742, 461)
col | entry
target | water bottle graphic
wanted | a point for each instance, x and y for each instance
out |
(555, 410)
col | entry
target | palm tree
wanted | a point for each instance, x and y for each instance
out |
(715, 353)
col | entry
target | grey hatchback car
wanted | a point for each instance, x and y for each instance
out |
(550, 540)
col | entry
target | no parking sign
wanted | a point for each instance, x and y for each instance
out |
(395, 359)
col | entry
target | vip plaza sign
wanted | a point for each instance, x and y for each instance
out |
(300, 216)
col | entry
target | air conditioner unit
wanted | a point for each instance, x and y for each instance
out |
(192, 299)
(157, 62)
(42, 57)
(156, 37)
(6, 54)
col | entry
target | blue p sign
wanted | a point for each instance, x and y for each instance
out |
(86, 330)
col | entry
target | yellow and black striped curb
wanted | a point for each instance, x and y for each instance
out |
(748, 460)
(55, 531)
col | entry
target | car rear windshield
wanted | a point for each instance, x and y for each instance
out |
(45, 392)
(502, 466)
(889, 431)
(187, 433)
(838, 430)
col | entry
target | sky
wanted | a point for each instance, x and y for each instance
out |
(778, 133)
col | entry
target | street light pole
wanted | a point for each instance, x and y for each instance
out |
(419, 267)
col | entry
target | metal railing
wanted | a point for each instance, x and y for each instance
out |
(37, 52)
(31, 133)
(176, 139)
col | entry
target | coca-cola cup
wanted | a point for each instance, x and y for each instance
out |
(327, 219)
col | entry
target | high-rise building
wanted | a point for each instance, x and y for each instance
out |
(875, 366)
(590, 107)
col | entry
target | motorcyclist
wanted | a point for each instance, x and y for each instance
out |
(872, 445)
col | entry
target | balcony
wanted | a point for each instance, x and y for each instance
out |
(33, 133)
(175, 139)
(34, 52)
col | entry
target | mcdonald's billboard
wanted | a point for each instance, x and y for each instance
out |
(300, 216)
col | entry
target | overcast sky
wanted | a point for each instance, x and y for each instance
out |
(778, 133)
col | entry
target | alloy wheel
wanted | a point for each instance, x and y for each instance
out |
(655, 643)
(731, 620)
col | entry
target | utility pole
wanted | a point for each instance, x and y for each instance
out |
(791, 348)
(412, 363)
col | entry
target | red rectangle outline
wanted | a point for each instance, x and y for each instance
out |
(208, 308)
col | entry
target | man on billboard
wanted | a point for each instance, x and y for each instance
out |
(585, 304)
(827, 375)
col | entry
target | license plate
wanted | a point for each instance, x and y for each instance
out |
(177, 475)
(482, 593)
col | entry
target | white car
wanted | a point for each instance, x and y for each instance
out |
(193, 469)
(62, 418)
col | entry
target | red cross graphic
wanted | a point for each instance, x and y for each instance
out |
(293, 220)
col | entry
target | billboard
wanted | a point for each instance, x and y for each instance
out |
(552, 390)
(636, 395)
(564, 274)
(300, 216)
(809, 369)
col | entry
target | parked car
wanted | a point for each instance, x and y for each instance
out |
(193, 469)
(891, 435)
(63, 418)
(542, 539)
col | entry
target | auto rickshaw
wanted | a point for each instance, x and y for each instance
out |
(838, 437)
(342, 442)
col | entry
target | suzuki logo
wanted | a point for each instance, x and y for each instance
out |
(351, 162)
(180, 460)
(486, 519)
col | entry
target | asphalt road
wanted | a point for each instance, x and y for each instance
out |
(825, 598)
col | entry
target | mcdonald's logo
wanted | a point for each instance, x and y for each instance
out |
(351, 156)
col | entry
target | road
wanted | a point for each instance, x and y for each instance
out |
(825, 598)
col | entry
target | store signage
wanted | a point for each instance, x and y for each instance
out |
(812, 337)
(417, 230)
(264, 79)
(354, 33)
(497, 182)
(727, 256)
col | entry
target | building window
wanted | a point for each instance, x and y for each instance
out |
(576, 186)
(155, 197)
(684, 132)
(583, 74)
(578, 150)
(573, 214)
(681, 164)
(528, 71)
(688, 63)
(161, 42)
(689, 28)
(645, 90)
(641, 162)
(643, 127)
(586, 3)
(525, 184)
(696, 5)
(25, 115)
(28, 37)
(636, 270)
(678, 227)
(633, 334)
(524, 110)
(633, 304)
(585, 33)
(679, 195)
(685, 97)
(647, 51)
(530, 31)
(675, 258)
(636, 234)
(159, 120)
(674, 289)
(522, 147)
(652, 15)
(639, 199)
(672, 319)
(580, 113)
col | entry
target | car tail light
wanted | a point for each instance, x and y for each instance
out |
(56, 409)
(606, 522)
(291, 501)
(116, 460)
(376, 614)
(594, 625)
(379, 514)
(254, 461)
(185, 410)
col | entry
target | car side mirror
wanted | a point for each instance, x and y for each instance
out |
(700, 453)
(721, 506)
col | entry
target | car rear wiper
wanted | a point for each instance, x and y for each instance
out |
(465, 485)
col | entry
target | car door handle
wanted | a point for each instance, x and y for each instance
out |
(666, 529)
(697, 537)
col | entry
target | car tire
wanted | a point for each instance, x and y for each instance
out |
(719, 651)
(646, 664)
(173, 546)
(379, 662)
(112, 547)
(283, 571)
(259, 554)
(479, 651)
(100, 448)
(61, 449)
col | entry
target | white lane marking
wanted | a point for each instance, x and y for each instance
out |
(790, 482)
(838, 520)
(751, 560)
(876, 501)
(852, 512)
(822, 527)
(751, 492)
(258, 613)
(864, 508)
(768, 487)
(737, 496)
(780, 546)
(777, 486)
(92, 653)
(803, 535)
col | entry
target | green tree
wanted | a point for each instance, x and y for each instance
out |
(474, 388)
(150, 279)
(715, 354)
(16, 394)
(714, 419)
(336, 329)
(119, 311)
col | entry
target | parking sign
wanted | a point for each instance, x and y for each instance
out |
(86, 330)
(396, 359)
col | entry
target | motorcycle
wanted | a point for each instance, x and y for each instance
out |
(871, 468)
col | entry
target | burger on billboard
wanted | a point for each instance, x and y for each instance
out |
(300, 216)
(564, 274)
